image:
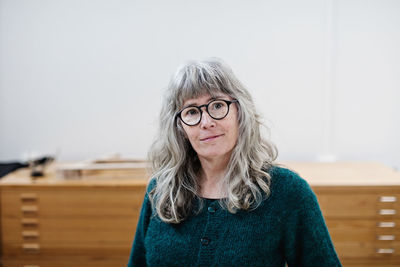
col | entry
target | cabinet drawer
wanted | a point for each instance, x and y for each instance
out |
(77, 203)
(74, 261)
(360, 250)
(78, 248)
(356, 239)
(367, 241)
(355, 205)
(51, 231)
(95, 222)
(364, 230)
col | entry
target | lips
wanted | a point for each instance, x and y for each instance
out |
(211, 137)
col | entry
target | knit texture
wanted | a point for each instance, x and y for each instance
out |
(288, 227)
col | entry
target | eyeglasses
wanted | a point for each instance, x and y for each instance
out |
(217, 109)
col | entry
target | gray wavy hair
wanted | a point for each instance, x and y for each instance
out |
(174, 163)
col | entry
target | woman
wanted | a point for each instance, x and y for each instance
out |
(217, 197)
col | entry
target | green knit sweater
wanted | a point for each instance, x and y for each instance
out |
(287, 227)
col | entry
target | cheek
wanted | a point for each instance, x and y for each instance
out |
(188, 132)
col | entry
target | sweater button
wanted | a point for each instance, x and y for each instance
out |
(205, 241)
(211, 209)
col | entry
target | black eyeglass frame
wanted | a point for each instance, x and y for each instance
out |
(228, 102)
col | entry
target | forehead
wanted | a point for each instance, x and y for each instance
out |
(205, 98)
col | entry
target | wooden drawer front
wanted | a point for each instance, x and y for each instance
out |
(84, 230)
(67, 262)
(348, 251)
(355, 205)
(363, 231)
(95, 222)
(366, 239)
(74, 237)
(78, 203)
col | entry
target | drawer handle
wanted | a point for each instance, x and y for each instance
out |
(387, 224)
(29, 209)
(29, 222)
(31, 265)
(387, 211)
(388, 199)
(386, 237)
(385, 251)
(31, 248)
(28, 197)
(30, 234)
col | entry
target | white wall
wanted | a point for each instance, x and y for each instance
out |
(367, 81)
(85, 78)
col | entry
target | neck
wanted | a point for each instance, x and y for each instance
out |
(211, 176)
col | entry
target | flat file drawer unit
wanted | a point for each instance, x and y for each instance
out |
(69, 223)
(364, 229)
(361, 206)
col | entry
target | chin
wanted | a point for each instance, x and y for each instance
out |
(213, 154)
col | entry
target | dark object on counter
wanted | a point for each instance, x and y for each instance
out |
(6, 168)
(37, 166)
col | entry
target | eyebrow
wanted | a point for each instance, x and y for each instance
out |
(208, 101)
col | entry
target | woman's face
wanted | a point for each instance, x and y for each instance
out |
(213, 139)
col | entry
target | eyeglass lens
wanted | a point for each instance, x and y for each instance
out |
(217, 109)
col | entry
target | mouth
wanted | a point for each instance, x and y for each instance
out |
(210, 138)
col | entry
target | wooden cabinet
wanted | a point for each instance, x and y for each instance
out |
(361, 206)
(50, 222)
(365, 229)
(69, 223)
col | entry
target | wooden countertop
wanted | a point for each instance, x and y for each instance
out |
(316, 173)
(116, 177)
(346, 173)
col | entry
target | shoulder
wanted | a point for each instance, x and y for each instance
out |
(291, 196)
(288, 184)
(288, 178)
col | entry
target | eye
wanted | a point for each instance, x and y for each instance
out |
(190, 112)
(217, 105)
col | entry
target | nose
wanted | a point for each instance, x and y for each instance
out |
(206, 121)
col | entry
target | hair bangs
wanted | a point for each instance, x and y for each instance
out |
(197, 80)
